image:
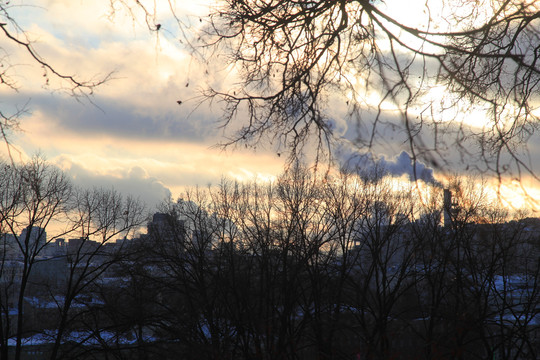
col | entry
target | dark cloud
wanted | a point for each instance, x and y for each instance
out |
(123, 119)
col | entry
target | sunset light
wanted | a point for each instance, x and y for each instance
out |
(269, 179)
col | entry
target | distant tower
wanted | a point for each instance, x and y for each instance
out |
(449, 208)
(166, 227)
(37, 237)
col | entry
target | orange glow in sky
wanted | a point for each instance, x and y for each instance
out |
(133, 133)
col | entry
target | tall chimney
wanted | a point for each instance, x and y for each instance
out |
(447, 204)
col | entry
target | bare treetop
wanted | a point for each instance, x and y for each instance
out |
(435, 65)
(455, 82)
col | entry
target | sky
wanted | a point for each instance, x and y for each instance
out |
(131, 133)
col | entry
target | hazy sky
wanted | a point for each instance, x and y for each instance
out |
(131, 133)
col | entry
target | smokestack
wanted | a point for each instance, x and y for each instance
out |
(448, 208)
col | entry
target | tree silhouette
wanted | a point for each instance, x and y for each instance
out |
(294, 56)
(32, 196)
(326, 267)
(42, 282)
(450, 62)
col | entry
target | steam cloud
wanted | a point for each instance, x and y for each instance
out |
(402, 164)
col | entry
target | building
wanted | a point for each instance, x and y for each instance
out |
(34, 238)
(166, 227)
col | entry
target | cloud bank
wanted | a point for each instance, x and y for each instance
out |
(134, 182)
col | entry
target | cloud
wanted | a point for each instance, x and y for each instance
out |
(113, 162)
(366, 163)
(403, 164)
(120, 120)
(337, 126)
(151, 73)
(138, 132)
(134, 182)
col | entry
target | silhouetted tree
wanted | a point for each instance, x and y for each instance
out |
(32, 195)
(292, 56)
(99, 216)
(331, 267)
(463, 270)
(42, 281)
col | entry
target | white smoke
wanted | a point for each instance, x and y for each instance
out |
(367, 164)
